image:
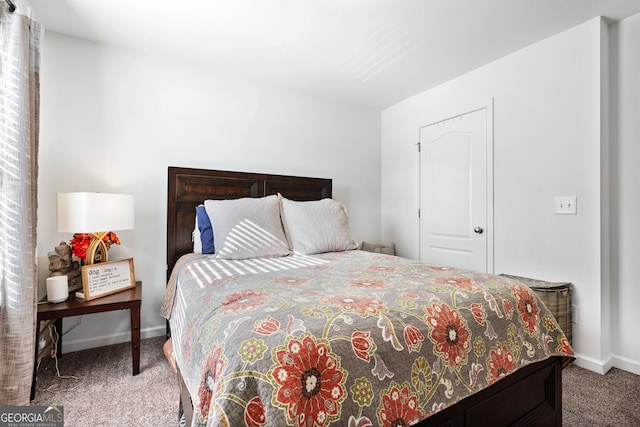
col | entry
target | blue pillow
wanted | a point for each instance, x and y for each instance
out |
(206, 231)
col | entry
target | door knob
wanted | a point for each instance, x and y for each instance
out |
(478, 230)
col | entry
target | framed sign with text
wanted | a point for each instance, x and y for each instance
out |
(106, 278)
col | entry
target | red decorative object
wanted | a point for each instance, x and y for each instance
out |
(81, 241)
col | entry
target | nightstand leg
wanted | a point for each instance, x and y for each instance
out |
(135, 339)
(35, 362)
(58, 325)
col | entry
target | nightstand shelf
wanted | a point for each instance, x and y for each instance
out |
(126, 300)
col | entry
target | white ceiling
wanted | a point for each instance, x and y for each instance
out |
(371, 53)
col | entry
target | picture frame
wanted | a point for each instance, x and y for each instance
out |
(106, 278)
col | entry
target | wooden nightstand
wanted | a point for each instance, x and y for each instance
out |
(130, 299)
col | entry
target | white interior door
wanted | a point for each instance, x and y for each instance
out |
(454, 196)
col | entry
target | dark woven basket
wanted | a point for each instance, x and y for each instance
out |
(556, 296)
(380, 248)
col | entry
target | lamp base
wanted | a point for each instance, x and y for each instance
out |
(97, 251)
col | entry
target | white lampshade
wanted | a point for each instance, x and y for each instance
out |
(93, 212)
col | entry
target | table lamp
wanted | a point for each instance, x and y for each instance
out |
(95, 214)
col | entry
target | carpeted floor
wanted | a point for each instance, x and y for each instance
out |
(590, 399)
(107, 395)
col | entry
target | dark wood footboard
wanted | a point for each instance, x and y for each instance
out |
(532, 396)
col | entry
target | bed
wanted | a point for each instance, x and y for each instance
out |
(346, 338)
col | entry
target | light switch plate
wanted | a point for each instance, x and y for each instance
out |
(566, 205)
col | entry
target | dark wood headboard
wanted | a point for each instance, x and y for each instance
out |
(190, 187)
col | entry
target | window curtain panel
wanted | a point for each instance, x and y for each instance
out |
(20, 41)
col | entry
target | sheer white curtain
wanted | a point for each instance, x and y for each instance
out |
(20, 40)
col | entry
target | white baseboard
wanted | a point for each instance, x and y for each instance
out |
(101, 341)
(595, 365)
(626, 364)
(611, 361)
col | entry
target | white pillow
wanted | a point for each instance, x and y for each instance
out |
(316, 227)
(247, 228)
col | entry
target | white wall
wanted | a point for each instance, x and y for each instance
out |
(134, 115)
(547, 142)
(625, 176)
(113, 120)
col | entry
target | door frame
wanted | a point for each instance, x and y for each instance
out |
(488, 106)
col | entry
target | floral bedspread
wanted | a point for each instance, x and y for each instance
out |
(346, 339)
